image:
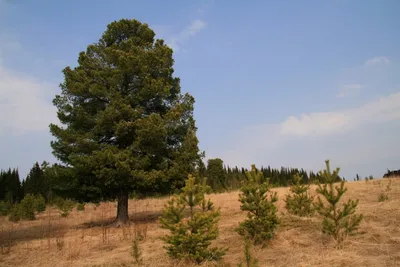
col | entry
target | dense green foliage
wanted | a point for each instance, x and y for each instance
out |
(299, 202)
(35, 182)
(126, 124)
(10, 186)
(14, 214)
(27, 207)
(216, 177)
(5, 207)
(191, 237)
(259, 202)
(338, 220)
(40, 203)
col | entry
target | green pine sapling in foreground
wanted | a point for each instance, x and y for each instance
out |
(339, 221)
(249, 261)
(300, 202)
(191, 237)
(259, 203)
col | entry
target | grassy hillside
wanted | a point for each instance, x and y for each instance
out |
(82, 239)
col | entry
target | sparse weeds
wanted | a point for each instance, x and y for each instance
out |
(135, 251)
(384, 196)
(249, 261)
(60, 242)
(8, 242)
(105, 235)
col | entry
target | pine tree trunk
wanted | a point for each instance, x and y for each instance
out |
(122, 210)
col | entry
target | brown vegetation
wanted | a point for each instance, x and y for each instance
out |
(84, 238)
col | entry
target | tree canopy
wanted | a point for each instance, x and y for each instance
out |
(125, 125)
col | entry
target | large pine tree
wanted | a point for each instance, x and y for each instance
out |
(126, 124)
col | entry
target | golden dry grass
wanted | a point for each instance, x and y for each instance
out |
(81, 240)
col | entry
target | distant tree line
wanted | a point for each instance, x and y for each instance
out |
(389, 173)
(224, 178)
(43, 179)
(10, 186)
(37, 182)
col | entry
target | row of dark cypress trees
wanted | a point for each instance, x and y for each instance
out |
(13, 189)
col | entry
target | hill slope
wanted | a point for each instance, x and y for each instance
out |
(80, 239)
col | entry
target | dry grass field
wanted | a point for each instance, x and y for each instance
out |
(83, 239)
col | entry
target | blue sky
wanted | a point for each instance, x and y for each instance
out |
(280, 83)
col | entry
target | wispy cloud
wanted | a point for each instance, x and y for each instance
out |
(376, 61)
(349, 90)
(346, 136)
(327, 123)
(188, 32)
(24, 103)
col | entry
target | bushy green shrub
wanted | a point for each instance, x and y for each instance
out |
(299, 202)
(191, 237)
(27, 207)
(14, 214)
(5, 207)
(259, 202)
(80, 206)
(65, 206)
(40, 203)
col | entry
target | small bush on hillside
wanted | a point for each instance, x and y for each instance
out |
(191, 237)
(5, 208)
(27, 207)
(259, 203)
(14, 214)
(40, 204)
(338, 221)
(300, 202)
(384, 196)
(80, 206)
(135, 251)
(64, 205)
(249, 261)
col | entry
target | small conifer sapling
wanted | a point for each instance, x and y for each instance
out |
(299, 202)
(259, 202)
(190, 237)
(339, 221)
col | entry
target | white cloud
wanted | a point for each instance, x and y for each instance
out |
(327, 123)
(361, 139)
(350, 90)
(376, 61)
(190, 31)
(24, 103)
